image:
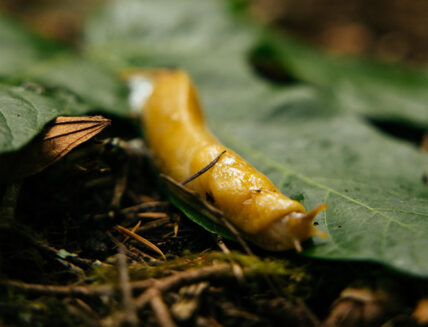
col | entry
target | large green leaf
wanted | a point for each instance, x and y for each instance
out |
(20, 49)
(306, 137)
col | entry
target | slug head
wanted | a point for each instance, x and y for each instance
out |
(287, 233)
(301, 228)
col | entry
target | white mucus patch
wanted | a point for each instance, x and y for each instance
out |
(228, 161)
(141, 87)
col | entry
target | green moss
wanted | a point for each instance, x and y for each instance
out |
(290, 278)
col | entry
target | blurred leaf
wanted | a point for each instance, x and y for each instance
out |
(376, 90)
(66, 84)
(93, 85)
(20, 49)
(312, 140)
(59, 138)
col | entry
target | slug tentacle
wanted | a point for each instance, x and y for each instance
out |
(288, 231)
(182, 146)
(302, 223)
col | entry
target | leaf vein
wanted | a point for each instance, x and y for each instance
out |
(274, 164)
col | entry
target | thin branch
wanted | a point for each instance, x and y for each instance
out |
(59, 290)
(129, 253)
(134, 229)
(163, 284)
(203, 170)
(237, 269)
(182, 278)
(140, 239)
(153, 224)
(120, 185)
(130, 213)
(82, 310)
(160, 309)
(237, 235)
(141, 254)
(146, 206)
(79, 272)
(155, 215)
(130, 314)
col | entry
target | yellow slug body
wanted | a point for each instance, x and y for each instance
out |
(182, 145)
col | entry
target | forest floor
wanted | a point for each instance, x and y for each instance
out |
(78, 251)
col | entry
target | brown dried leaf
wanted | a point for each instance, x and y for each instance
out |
(57, 139)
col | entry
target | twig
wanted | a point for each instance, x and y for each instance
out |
(163, 284)
(79, 272)
(130, 213)
(143, 255)
(80, 309)
(153, 224)
(207, 322)
(160, 309)
(237, 270)
(231, 310)
(120, 185)
(59, 290)
(130, 314)
(188, 301)
(98, 182)
(86, 308)
(176, 226)
(129, 253)
(237, 235)
(157, 215)
(235, 266)
(134, 229)
(203, 170)
(139, 238)
(185, 277)
(146, 206)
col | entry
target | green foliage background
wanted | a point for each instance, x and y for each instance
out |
(313, 137)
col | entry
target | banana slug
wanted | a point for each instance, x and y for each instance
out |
(182, 145)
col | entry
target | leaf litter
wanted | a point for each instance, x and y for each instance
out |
(111, 279)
